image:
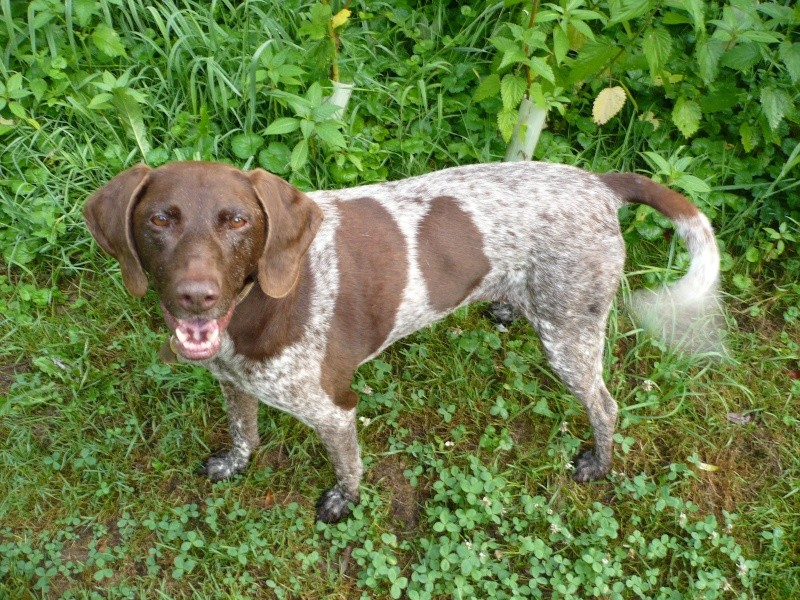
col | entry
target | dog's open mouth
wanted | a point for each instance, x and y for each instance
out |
(197, 338)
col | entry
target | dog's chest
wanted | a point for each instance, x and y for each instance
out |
(284, 381)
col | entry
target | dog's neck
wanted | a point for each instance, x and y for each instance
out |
(262, 326)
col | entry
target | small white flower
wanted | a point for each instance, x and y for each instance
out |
(367, 390)
(449, 444)
(482, 555)
(648, 385)
(486, 502)
(468, 544)
(564, 427)
(682, 518)
(554, 528)
(742, 568)
(729, 528)
(365, 421)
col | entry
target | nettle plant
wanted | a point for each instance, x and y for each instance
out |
(688, 69)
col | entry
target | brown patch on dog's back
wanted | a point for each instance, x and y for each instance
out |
(373, 273)
(451, 257)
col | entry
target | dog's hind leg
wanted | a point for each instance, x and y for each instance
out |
(574, 349)
(567, 299)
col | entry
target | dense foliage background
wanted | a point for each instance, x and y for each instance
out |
(465, 434)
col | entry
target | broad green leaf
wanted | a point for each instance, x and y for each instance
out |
(506, 120)
(245, 145)
(299, 155)
(316, 27)
(540, 67)
(504, 44)
(130, 113)
(659, 161)
(488, 87)
(780, 13)
(743, 282)
(725, 95)
(325, 111)
(560, 44)
(100, 101)
(775, 104)
(790, 55)
(742, 57)
(749, 136)
(708, 53)
(691, 184)
(583, 29)
(282, 126)
(276, 157)
(657, 47)
(108, 41)
(607, 104)
(686, 116)
(761, 37)
(627, 10)
(17, 109)
(695, 8)
(329, 133)
(512, 57)
(512, 89)
(84, 10)
(591, 59)
(314, 94)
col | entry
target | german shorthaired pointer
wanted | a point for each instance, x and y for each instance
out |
(342, 274)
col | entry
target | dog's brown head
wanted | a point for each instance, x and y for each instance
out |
(200, 231)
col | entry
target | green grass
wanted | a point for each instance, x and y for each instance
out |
(466, 434)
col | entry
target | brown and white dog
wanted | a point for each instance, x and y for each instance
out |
(342, 274)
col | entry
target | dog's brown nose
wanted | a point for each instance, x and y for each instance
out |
(197, 295)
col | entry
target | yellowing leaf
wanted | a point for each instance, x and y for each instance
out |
(607, 104)
(340, 18)
(707, 467)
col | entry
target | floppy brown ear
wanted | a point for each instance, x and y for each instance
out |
(109, 217)
(292, 222)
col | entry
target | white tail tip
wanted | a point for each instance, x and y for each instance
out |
(686, 321)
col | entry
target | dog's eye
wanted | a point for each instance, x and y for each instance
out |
(159, 220)
(237, 222)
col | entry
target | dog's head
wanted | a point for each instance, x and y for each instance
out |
(200, 231)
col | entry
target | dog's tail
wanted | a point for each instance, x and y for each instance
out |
(687, 313)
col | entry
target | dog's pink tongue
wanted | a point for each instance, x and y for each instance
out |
(197, 339)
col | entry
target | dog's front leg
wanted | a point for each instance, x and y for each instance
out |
(338, 433)
(243, 425)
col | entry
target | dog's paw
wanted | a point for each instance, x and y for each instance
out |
(588, 467)
(333, 505)
(502, 313)
(224, 465)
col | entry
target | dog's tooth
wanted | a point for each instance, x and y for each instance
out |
(182, 336)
